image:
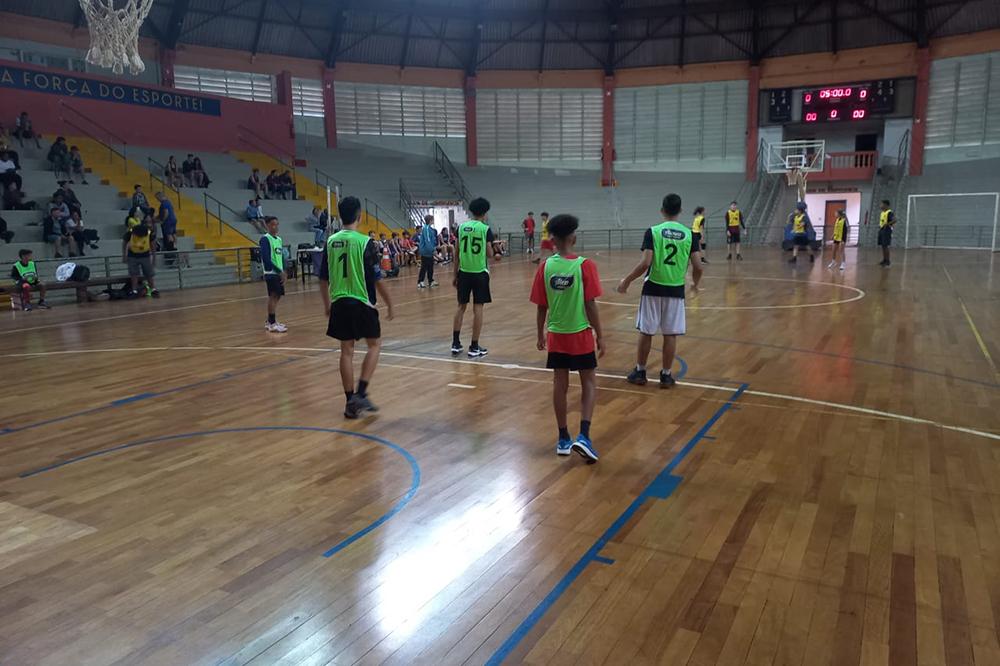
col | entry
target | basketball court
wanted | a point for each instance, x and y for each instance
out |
(186, 489)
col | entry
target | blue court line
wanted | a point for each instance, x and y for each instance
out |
(146, 396)
(396, 508)
(872, 361)
(603, 560)
(659, 488)
(684, 369)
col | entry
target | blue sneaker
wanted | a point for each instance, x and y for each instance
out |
(564, 447)
(585, 448)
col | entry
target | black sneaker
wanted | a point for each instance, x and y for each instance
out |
(637, 377)
(667, 380)
(476, 351)
(364, 404)
(351, 410)
(155, 293)
(812, 259)
(793, 260)
(704, 260)
(739, 257)
(729, 257)
(43, 305)
(456, 349)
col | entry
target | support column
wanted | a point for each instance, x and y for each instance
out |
(918, 137)
(471, 138)
(608, 132)
(329, 108)
(753, 107)
(283, 88)
(168, 57)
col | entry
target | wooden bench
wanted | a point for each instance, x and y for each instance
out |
(81, 287)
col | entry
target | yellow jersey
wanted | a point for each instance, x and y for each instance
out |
(545, 229)
(138, 245)
(697, 224)
(733, 218)
(799, 223)
(838, 229)
(883, 219)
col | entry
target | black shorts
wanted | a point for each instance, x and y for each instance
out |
(574, 362)
(734, 235)
(801, 240)
(696, 244)
(274, 286)
(885, 236)
(476, 285)
(350, 319)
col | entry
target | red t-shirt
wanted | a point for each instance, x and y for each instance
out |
(528, 225)
(569, 343)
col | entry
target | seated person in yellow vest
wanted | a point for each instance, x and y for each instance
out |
(565, 289)
(272, 259)
(886, 221)
(547, 246)
(138, 253)
(25, 276)
(472, 276)
(841, 231)
(349, 280)
(734, 223)
(666, 254)
(698, 231)
(801, 228)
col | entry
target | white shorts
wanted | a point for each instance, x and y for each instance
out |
(661, 315)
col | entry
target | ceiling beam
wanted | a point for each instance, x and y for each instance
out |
(790, 28)
(923, 36)
(406, 35)
(545, 30)
(336, 33)
(885, 18)
(680, 42)
(614, 6)
(176, 24)
(943, 22)
(834, 28)
(472, 62)
(755, 53)
(259, 27)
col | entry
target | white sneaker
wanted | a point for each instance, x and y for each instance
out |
(277, 327)
(421, 285)
(434, 283)
(831, 264)
(843, 266)
(267, 326)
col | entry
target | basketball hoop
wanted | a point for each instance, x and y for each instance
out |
(114, 33)
(797, 178)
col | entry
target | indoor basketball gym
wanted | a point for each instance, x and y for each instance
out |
(179, 485)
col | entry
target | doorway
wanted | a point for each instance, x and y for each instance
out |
(866, 142)
(830, 215)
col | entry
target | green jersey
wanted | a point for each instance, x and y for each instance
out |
(564, 292)
(276, 251)
(472, 242)
(345, 257)
(671, 249)
(27, 272)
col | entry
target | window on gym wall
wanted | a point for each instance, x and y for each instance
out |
(387, 110)
(963, 108)
(539, 125)
(683, 122)
(239, 85)
(307, 106)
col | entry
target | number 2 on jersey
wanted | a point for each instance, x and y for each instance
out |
(671, 253)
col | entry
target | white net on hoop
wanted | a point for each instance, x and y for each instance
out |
(114, 33)
(797, 178)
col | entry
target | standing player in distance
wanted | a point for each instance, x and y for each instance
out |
(547, 248)
(697, 232)
(734, 223)
(529, 232)
(666, 253)
(272, 258)
(886, 221)
(472, 276)
(348, 282)
(428, 242)
(565, 289)
(841, 231)
(801, 226)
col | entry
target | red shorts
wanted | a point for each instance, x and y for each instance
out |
(547, 244)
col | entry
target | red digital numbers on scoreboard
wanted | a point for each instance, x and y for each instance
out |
(834, 114)
(835, 93)
(812, 117)
(842, 103)
(858, 114)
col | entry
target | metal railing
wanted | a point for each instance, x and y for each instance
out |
(384, 217)
(164, 186)
(89, 133)
(270, 149)
(325, 181)
(211, 203)
(411, 210)
(451, 174)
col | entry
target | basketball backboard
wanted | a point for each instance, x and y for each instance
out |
(805, 155)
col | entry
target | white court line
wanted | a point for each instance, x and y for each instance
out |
(462, 386)
(514, 366)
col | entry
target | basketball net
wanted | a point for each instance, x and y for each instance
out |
(114, 33)
(797, 178)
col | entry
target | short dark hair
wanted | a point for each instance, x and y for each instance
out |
(561, 226)
(699, 210)
(349, 209)
(544, 214)
(733, 202)
(395, 235)
(885, 201)
(25, 252)
(268, 219)
(671, 204)
(531, 212)
(428, 219)
(137, 186)
(479, 206)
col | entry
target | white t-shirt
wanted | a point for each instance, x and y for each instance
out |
(6, 165)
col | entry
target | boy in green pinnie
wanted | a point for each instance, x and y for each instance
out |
(565, 290)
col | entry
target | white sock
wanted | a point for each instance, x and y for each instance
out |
(640, 368)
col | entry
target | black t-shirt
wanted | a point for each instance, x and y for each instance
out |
(371, 262)
(651, 288)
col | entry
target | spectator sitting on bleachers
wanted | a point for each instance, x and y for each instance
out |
(11, 153)
(25, 276)
(199, 173)
(59, 157)
(76, 164)
(286, 186)
(69, 196)
(316, 226)
(172, 174)
(25, 129)
(8, 171)
(254, 183)
(139, 200)
(187, 171)
(52, 232)
(408, 248)
(255, 215)
(82, 237)
(6, 235)
(375, 241)
(13, 199)
(59, 204)
(271, 184)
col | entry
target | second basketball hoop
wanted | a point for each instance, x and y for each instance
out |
(114, 33)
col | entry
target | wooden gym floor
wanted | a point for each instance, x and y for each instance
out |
(179, 487)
